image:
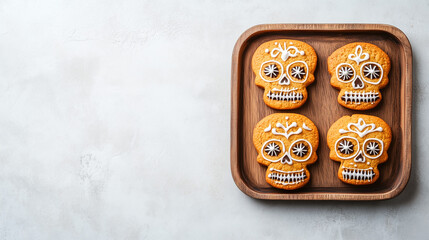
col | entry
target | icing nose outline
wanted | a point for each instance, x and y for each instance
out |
(284, 80)
(286, 159)
(359, 157)
(357, 83)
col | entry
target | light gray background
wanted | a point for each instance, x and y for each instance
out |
(115, 123)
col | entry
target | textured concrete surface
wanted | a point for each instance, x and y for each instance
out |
(114, 123)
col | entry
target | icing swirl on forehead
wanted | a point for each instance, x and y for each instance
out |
(287, 129)
(361, 128)
(267, 129)
(286, 134)
(305, 127)
(359, 56)
(285, 52)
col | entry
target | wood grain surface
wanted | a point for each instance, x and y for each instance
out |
(248, 107)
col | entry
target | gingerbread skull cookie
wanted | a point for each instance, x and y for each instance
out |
(284, 68)
(359, 70)
(360, 143)
(286, 143)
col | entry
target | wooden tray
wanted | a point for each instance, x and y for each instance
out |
(248, 107)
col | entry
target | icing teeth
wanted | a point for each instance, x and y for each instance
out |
(358, 174)
(288, 178)
(360, 97)
(285, 96)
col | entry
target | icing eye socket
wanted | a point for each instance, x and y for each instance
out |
(371, 72)
(346, 147)
(271, 71)
(373, 148)
(300, 150)
(345, 72)
(297, 71)
(272, 150)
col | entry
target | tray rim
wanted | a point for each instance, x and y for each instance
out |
(405, 118)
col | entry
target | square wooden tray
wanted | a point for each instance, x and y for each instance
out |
(248, 107)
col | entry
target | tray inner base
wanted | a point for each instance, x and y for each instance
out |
(323, 109)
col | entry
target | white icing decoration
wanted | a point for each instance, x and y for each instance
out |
(372, 148)
(345, 147)
(345, 73)
(380, 151)
(305, 70)
(305, 127)
(358, 56)
(298, 72)
(263, 148)
(338, 71)
(370, 168)
(359, 157)
(267, 50)
(286, 159)
(272, 149)
(286, 134)
(362, 72)
(284, 80)
(360, 97)
(271, 61)
(362, 129)
(267, 129)
(371, 72)
(292, 183)
(310, 151)
(286, 90)
(299, 150)
(355, 84)
(277, 170)
(358, 174)
(271, 70)
(288, 178)
(285, 52)
(346, 137)
(285, 95)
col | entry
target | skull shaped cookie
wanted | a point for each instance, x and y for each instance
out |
(286, 143)
(359, 70)
(360, 143)
(284, 68)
